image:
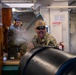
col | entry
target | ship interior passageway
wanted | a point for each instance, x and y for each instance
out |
(60, 18)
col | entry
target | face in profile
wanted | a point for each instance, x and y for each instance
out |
(41, 30)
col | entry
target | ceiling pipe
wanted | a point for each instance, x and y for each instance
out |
(59, 7)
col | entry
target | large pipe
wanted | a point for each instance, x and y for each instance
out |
(47, 61)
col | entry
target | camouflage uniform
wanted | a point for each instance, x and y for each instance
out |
(48, 40)
(11, 40)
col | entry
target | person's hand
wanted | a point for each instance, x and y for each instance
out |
(61, 46)
(5, 54)
(17, 31)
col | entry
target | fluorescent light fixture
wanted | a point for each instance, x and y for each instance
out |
(20, 5)
(16, 10)
(13, 9)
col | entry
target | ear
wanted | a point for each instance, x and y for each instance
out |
(21, 24)
(14, 22)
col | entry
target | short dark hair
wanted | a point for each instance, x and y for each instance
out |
(17, 19)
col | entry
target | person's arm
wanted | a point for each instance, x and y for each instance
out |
(34, 41)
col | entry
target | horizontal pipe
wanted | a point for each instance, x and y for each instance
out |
(59, 7)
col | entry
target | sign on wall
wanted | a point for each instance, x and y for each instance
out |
(57, 31)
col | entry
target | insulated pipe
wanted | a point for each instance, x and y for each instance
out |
(47, 61)
(68, 7)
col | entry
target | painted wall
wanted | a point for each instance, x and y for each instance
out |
(58, 15)
(61, 15)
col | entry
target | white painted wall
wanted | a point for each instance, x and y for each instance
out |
(55, 14)
(50, 14)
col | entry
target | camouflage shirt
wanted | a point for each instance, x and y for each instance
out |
(48, 40)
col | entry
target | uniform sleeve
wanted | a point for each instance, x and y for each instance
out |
(52, 41)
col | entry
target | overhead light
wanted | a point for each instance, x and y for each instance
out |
(13, 9)
(20, 5)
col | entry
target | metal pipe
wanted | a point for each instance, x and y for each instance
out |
(47, 61)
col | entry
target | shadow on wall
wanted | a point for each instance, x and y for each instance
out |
(73, 43)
